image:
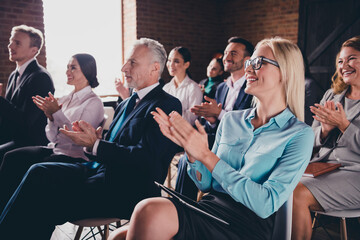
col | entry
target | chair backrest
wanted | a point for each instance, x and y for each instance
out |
(283, 221)
(109, 112)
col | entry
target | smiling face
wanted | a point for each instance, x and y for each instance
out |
(176, 65)
(266, 81)
(234, 57)
(348, 66)
(74, 74)
(214, 69)
(19, 48)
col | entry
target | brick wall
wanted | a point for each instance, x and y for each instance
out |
(187, 23)
(129, 23)
(259, 19)
(203, 26)
(12, 13)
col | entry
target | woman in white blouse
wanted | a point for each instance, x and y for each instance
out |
(81, 104)
(181, 85)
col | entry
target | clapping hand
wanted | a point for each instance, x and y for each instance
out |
(178, 130)
(121, 89)
(83, 134)
(49, 105)
(330, 116)
(207, 109)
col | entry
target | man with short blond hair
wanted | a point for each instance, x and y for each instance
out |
(21, 122)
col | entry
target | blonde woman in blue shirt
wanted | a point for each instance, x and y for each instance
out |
(258, 157)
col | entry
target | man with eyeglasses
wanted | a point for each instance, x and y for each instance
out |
(230, 95)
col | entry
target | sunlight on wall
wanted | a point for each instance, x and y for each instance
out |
(83, 26)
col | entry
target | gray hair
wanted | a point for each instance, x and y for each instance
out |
(157, 49)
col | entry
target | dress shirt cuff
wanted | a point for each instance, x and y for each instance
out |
(221, 114)
(194, 165)
(94, 149)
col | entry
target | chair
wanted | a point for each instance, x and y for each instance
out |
(283, 221)
(109, 112)
(353, 213)
(96, 223)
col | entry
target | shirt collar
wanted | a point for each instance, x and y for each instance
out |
(22, 68)
(184, 82)
(144, 91)
(280, 119)
(237, 85)
(82, 93)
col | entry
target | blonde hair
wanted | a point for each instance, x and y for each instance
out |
(291, 64)
(338, 85)
(36, 36)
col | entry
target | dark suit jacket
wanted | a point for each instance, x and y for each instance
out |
(140, 153)
(218, 80)
(20, 119)
(243, 101)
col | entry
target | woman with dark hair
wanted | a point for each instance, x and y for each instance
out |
(81, 104)
(214, 73)
(181, 85)
(337, 139)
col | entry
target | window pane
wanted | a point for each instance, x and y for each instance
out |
(83, 26)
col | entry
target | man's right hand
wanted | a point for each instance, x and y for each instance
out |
(207, 109)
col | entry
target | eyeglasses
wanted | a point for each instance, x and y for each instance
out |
(257, 62)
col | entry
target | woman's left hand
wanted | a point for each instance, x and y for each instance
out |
(182, 133)
(49, 105)
(329, 115)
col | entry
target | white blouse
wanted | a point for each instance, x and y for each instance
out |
(189, 94)
(82, 105)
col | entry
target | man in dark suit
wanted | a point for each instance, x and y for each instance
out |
(132, 156)
(230, 95)
(21, 122)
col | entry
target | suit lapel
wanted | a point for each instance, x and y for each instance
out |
(240, 97)
(9, 93)
(224, 95)
(24, 77)
(141, 105)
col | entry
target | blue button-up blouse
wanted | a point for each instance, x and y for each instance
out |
(259, 168)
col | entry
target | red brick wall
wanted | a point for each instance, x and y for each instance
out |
(129, 23)
(12, 13)
(259, 19)
(203, 26)
(191, 24)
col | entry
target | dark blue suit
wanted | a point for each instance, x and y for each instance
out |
(184, 184)
(22, 123)
(53, 193)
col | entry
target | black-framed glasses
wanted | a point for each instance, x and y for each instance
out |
(256, 63)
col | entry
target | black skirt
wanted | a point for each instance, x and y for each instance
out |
(244, 223)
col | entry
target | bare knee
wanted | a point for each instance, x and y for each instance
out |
(304, 198)
(154, 218)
